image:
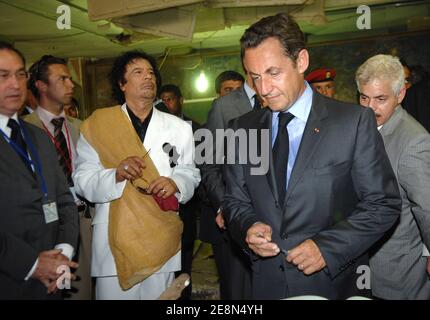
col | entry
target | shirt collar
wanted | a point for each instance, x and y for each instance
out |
(249, 91)
(47, 116)
(302, 107)
(4, 120)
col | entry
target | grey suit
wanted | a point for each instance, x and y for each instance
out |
(398, 268)
(23, 231)
(84, 284)
(231, 262)
(342, 194)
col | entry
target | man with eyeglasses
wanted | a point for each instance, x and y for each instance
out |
(51, 84)
(38, 217)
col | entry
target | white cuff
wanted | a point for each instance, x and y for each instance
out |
(33, 268)
(426, 252)
(66, 249)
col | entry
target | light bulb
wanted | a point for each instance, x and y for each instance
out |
(202, 82)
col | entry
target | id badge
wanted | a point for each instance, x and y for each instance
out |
(50, 212)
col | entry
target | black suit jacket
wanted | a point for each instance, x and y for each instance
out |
(212, 186)
(342, 194)
(23, 231)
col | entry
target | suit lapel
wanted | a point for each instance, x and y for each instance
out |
(34, 119)
(314, 131)
(73, 126)
(13, 160)
(266, 121)
(242, 105)
(392, 123)
(156, 133)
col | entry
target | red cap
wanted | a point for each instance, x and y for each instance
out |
(320, 75)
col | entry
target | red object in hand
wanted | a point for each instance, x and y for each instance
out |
(169, 204)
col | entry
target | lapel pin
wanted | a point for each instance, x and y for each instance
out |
(316, 130)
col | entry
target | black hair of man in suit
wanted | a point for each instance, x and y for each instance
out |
(172, 98)
(282, 27)
(7, 46)
(224, 76)
(40, 71)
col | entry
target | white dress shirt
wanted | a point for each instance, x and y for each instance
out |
(46, 117)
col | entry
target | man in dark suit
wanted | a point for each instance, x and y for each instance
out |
(172, 98)
(232, 263)
(38, 217)
(329, 192)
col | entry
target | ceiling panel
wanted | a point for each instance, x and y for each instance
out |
(31, 25)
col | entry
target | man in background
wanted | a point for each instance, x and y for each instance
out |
(322, 80)
(232, 263)
(398, 267)
(52, 86)
(228, 81)
(172, 98)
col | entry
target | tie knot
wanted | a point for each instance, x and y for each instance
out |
(13, 124)
(58, 122)
(285, 118)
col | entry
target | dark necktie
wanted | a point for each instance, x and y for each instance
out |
(16, 136)
(257, 104)
(62, 149)
(280, 154)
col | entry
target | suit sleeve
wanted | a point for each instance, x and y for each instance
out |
(379, 202)
(239, 211)
(414, 177)
(16, 256)
(212, 179)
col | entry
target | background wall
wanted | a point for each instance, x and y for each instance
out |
(344, 56)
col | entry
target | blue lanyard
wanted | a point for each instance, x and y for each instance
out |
(36, 164)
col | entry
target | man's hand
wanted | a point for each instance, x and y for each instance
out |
(307, 257)
(428, 266)
(163, 187)
(129, 169)
(220, 220)
(48, 266)
(259, 237)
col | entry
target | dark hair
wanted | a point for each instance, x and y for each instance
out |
(39, 71)
(171, 88)
(120, 66)
(7, 46)
(404, 63)
(282, 27)
(418, 73)
(227, 75)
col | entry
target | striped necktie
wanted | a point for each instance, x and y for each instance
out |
(62, 149)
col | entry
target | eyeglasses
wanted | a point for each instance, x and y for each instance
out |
(20, 75)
